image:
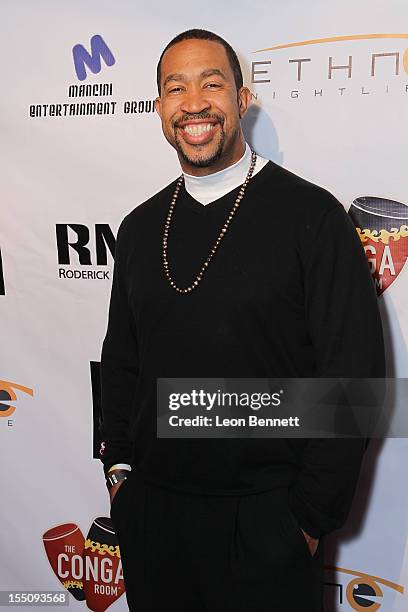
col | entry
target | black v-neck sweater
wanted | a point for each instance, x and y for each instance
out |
(288, 294)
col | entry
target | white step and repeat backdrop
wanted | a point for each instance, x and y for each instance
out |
(81, 146)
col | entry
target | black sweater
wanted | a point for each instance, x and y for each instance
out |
(288, 294)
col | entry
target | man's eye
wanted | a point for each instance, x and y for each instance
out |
(213, 85)
(174, 89)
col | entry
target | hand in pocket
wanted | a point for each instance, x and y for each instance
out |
(312, 543)
(114, 489)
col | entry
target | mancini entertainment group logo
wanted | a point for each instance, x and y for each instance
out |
(357, 64)
(99, 51)
(93, 98)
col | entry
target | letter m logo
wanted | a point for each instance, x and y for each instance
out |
(99, 49)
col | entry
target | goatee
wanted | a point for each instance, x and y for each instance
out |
(201, 162)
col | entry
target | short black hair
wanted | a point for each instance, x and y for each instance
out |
(198, 34)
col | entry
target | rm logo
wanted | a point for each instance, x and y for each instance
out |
(104, 241)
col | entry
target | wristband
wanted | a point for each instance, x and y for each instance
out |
(120, 466)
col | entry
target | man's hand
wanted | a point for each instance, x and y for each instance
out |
(311, 542)
(114, 489)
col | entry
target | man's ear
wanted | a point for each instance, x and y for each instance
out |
(157, 106)
(244, 100)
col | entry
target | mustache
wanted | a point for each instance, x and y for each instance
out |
(199, 116)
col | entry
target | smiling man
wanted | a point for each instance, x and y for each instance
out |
(206, 135)
(238, 268)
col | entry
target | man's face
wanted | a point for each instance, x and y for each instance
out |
(200, 107)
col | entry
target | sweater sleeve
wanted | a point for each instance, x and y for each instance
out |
(119, 365)
(346, 332)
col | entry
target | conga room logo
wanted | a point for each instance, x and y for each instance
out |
(382, 226)
(89, 568)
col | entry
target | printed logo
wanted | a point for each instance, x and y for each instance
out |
(91, 99)
(90, 569)
(293, 75)
(382, 226)
(363, 592)
(2, 288)
(7, 394)
(99, 49)
(74, 243)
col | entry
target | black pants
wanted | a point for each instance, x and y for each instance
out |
(197, 553)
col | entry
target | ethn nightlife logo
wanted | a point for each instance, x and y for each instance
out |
(363, 592)
(82, 58)
(89, 568)
(383, 229)
(2, 288)
(8, 394)
(303, 70)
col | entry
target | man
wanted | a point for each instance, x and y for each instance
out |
(237, 269)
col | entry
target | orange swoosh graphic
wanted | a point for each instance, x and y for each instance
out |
(6, 385)
(316, 41)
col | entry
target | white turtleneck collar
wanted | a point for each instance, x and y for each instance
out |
(206, 189)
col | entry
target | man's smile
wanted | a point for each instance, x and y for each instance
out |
(198, 131)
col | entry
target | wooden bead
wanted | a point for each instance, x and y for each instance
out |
(221, 235)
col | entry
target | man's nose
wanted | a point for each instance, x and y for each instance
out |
(195, 101)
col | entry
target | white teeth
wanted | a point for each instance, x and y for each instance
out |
(197, 130)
